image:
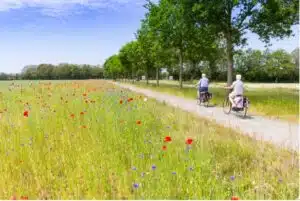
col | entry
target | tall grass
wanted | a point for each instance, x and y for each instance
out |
(91, 140)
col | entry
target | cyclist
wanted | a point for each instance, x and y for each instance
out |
(202, 85)
(238, 89)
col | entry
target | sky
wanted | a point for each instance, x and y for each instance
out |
(77, 31)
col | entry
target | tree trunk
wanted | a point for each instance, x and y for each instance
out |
(132, 78)
(157, 76)
(229, 51)
(180, 68)
(212, 68)
(147, 78)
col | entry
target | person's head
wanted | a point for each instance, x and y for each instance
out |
(238, 77)
(203, 75)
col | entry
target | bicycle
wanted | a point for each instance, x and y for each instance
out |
(204, 98)
(227, 106)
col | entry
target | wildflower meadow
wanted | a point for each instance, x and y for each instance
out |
(93, 140)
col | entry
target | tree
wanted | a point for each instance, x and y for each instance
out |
(231, 18)
(113, 67)
(129, 58)
(173, 24)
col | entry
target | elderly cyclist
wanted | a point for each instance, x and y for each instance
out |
(238, 89)
(202, 85)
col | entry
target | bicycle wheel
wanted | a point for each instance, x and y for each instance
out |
(206, 104)
(198, 101)
(227, 106)
(245, 108)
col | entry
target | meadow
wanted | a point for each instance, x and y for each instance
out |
(93, 140)
(275, 103)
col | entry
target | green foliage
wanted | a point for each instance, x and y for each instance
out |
(61, 71)
(113, 67)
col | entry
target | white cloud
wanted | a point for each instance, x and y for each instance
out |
(57, 8)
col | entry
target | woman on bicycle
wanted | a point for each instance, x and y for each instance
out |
(202, 85)
(238, 89)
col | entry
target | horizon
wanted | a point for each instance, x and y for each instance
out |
(79, 32)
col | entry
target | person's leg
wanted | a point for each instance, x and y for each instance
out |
(231, 98)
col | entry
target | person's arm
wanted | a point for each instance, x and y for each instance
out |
(231, 87)
(198, 83)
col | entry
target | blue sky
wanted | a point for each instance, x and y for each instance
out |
(76, 31)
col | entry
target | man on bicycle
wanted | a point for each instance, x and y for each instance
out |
(238, 89)
(202, 85)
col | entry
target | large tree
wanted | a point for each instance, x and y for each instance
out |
(231, 19)
(172, 21)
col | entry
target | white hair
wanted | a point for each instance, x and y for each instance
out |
(238, 77)
(203, 75)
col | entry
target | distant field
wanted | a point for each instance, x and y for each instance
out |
(91, 140)
(278, 103)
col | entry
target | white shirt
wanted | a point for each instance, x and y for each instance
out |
(238, 87)
(203, 82)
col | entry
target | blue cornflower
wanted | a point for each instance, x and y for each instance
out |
(135, 185)
(232, 178)
(153, 167)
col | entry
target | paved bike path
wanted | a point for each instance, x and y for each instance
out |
(280, 133)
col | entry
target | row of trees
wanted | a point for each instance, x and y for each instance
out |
(61, 71)
(189, 36)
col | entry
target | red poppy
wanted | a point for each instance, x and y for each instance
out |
(72, 115)
(168, 139)
(24, 197)
(234, 198)
(82, 113)
(84, 94)
(189, 141)
(13, 198)
(121, 101)
(83, 126)
(26, 113)
(138, 122)
(164, 148)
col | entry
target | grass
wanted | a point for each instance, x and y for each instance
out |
(80, 142)
(274, 103)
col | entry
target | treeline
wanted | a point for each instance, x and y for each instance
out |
(56, 72)
(190, 37)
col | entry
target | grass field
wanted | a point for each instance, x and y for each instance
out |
(275, 103)
(91, 140)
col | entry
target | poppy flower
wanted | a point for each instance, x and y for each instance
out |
(189, 141)
(168, 139)
(72, 115)
(83, 126)
(26, 113)
(13, 198)
(164, 148)
(138, 122)
(84, 94)
(24, 197)
(234, 198)
(81, 113)
(121, 101)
